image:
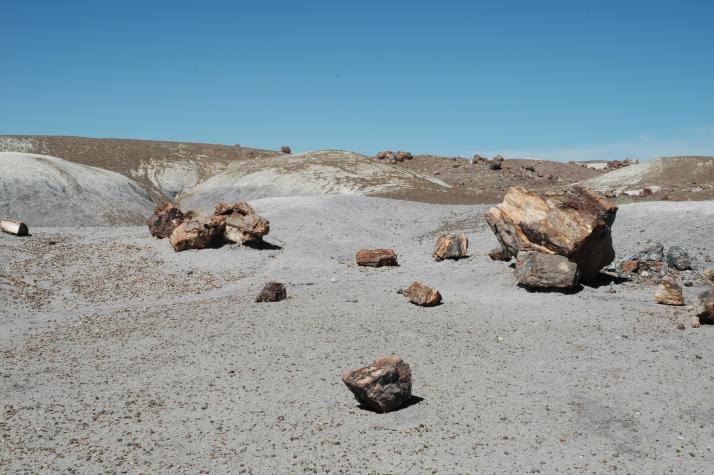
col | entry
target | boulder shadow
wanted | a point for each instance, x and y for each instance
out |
(411, 402)
(604, 279)
(571, 291)
(262, 246)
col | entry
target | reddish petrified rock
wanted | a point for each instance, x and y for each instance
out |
(575, 224)
(164, 220)
(669, 292)
(383, 386)
(451, 246)
(272, 292)
(536, 270)
(421, 294)
(376, 257)
(198, 233)
(240, 208)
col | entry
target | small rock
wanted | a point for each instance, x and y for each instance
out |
(678, 257)
(537, 270)
(696, 322)
(669, 292)
(15, 228)
(680, 326)
(451, 246)
(708, 274)
(421, 294)
(499, 254)
(272, 292)
(383, 386)
(376, 257)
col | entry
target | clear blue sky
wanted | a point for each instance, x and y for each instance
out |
(554, 79)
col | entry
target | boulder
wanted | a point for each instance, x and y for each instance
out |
(164, 220)
(376, 257)
(285, 149)
(451, 246)
(198, 233)
(423, 295)
(575, 224)
(383, 386)
(254, 227)
(16, 228)
(272, 292)
(678, 258)
(499, 254)
(669, 292)
(536, 270)
(240, 208)
(401, 156)
(704, 308)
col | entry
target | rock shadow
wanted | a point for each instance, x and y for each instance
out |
(411, 402)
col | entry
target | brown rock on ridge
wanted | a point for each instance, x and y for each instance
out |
(272, 292)
(536, 270)
(376, 257)
(451, 246)
(198, 233)
(383, 386)
(423, 295)
(164, 220)
(575, 224)
(14, 227)
(669, 292)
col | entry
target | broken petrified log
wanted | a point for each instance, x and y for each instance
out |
(198, 233)
(575, 224)
(376, 257)
(164, 220)
(704, 308)
(669, 292)
(536, 270)
(383, 386)
(451, 246)
(14, 227)
(423, 295)
(272, 292)
(240, 208)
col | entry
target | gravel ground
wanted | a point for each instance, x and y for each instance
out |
(119, 355)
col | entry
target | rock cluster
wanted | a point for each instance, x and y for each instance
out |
(383, 386)
(393, 157)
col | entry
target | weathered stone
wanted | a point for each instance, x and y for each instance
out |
(285, 149)
(272, 292)
(704, 308)
(499, 254)
(669, 292)
(240, 208)
(678, 258)
(630, 266)
(164, 220)
(401, 156)
(536, 270)
(376, 257)
(16, 228)
(383, 386)
(198, 233)
(254, 227)
(423, 295)
(451, 246)
(575, 224)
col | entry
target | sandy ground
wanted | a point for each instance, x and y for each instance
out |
(119, 355)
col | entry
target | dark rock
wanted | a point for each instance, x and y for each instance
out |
(383, 386)
(704, 309)
(285, 149)
(272, 292)
(164, 220)
(678, 258)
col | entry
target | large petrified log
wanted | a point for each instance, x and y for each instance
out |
(376, 257)
(536, 270)
(198, 233)
(14, 227)
(383, 386)
(451, 246)
(164, 220)
(575, 224)
(421, 294)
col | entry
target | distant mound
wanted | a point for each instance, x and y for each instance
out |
(313, 173)
(48, 191)
(678, 178)
(163, 169)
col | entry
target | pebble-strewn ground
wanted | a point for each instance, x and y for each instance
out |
(119, 355)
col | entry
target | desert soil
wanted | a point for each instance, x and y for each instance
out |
(119, 355)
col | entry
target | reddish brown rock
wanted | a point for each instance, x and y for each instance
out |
(451, 246)
(669, 292)
(16, 228)
(272, 292)
(499, 254)
(240, 208)
(383, 386)
(421, 294)
(198, 233)
(164, 220)
(630, 266)
(575, 224)
(376, 257)
(254, 227)
(536, 270)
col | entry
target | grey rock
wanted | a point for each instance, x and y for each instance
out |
(678, 258)
(537, 270)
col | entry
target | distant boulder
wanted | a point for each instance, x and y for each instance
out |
(285, 149)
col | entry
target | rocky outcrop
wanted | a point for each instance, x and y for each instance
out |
(423, 295)
(198, 233)
(536, 270)
(451, 246)
(669, 292)
(164, 220)
(14, 227)
(272, 292)
(575, 224)
(383, 386)
(376, 257)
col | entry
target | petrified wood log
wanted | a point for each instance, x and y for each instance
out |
(421, 294)
(376, 257)
(451, 246)
(383, 386)
(14, 227)
(536, 270)
(575, 224)
(164, 220)
(198, 233)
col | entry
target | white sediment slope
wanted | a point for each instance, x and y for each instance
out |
(49, 191)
